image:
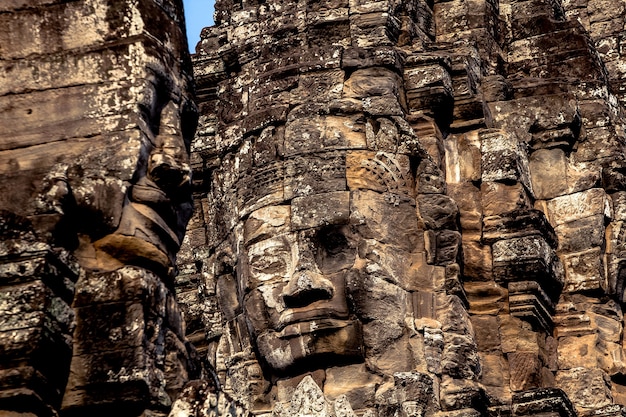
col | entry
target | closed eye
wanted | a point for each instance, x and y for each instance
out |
(268, 265)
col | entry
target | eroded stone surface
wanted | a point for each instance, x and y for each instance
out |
(102, 92)
(400, 209)
(477, 147)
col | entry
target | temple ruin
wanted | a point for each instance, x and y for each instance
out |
(333, 208)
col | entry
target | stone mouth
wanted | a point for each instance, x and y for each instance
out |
(334, 310)
(312, 326)
(310, 345)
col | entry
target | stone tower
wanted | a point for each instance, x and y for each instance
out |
(400, 208)
(97, 118)
(412, 207)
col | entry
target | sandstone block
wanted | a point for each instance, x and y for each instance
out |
(265, 187)
(124, 371)
(575, 206)
(518, 223)
(381, 134)
(370, 210)
(548, 173)
(433, 349)
(462, 396)
(503, 158)
(109, 327)
(487, 340)
(580, 235)
(514, 258)
(460, 357)
(601, 143)
(305, 175)
(524, 368)
(486, 297)
(437, 211)
(495, 375)
(584, 271)
(379, 56)
(267, 222)
(499, 198)
(463, 158)
(427, 75)
(542, 400)
(618, 200)
(528, 301)
(448, 245)
(450, 16)
(468, 199)
(308, 399)
(517, 335)
(587, 388)
(575, 352)
(359, 390)
(372, 82)
(430, 179)
(382, 172)
(320, 210)
(374, 29)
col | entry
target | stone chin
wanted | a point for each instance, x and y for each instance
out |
(131, 250)
(306, 346)
(143, 239)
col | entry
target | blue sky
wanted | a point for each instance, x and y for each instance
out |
(198, 14)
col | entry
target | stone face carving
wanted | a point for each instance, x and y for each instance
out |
(325, 279)
(461, 158)
(100, 178)
(295, 301)
(307, 292)
(406, 208)
(333, 246)
(158, 203)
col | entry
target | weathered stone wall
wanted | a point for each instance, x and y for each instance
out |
(96, 117)
(402, 208)
(499, 122)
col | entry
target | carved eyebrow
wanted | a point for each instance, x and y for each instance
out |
(272, 251)
(266, 259)
(280, 241)
(262, 249)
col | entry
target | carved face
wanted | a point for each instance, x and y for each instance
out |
(297, 302)
(311, 294)
(158, 204)
(113, 185)
(127, 193)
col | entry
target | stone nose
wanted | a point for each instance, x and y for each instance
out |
(168, 166)
(305, 288)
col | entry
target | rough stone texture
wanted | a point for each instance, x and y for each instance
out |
(452, 169)
(406, 208)
(96, 117)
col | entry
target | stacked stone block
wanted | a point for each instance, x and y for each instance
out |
(93, 94)
(509, 112)
(37, 286)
